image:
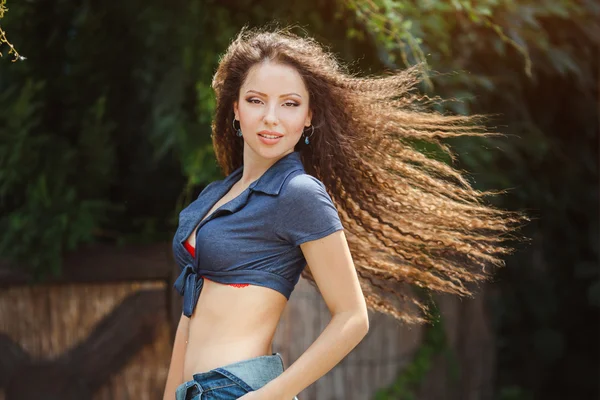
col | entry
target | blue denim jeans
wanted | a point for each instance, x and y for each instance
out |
(232, 381)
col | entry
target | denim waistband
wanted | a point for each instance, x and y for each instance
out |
(255, 372)
(250, 374)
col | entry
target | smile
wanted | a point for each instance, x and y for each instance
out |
(269, 136)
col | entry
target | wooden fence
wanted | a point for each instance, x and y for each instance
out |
(106, 327)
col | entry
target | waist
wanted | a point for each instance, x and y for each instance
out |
(231, 324)
(201, 357)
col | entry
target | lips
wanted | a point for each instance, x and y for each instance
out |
(270, 134)
(269, 137)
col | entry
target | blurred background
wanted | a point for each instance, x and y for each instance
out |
(105, 136)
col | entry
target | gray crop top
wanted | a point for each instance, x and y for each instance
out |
(255, 237)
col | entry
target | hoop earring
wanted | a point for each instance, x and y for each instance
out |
(238, 131)
(306, 141)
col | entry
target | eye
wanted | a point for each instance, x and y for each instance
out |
(253, 100)
(291, 104)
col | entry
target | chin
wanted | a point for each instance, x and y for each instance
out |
(272, 151)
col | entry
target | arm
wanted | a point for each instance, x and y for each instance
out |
(333, 270)
(175, 376)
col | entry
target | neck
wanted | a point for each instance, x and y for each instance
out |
(256, 165)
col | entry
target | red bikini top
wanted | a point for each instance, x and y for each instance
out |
(192, 251)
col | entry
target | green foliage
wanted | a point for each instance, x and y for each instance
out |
(73, 146)
(451, 35)
(47, 211)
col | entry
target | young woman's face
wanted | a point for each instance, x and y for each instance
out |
(272, 109)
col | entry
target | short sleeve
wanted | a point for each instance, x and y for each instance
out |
(305, 211)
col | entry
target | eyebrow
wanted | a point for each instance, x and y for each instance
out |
(283, 95)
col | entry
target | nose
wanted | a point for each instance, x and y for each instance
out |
(270, 117)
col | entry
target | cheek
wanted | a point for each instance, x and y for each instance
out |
(247, 112)
(250, 117)
(295, 120)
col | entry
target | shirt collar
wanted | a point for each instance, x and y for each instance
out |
(271, 181)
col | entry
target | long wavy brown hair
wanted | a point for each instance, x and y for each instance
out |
(411, 221)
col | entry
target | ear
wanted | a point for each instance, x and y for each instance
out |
(236, 110)
(308, 119)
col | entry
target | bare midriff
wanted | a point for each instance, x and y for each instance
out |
(230, 325)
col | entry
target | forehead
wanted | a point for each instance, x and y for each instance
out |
(272, 78)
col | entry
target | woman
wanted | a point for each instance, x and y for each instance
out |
(297, 136)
